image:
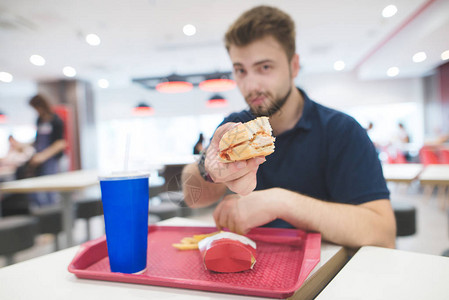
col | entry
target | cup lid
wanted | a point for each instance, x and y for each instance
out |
(121, 175)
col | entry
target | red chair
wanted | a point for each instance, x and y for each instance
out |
(444, 156)
(396, 158)
(428, 156)
(400, 158)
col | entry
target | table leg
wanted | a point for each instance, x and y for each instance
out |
(441, 196)
(67, 217)
(428, 190)
(1, 210)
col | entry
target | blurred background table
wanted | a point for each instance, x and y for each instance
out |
(64, 183)
(436, 176)
(404, 173)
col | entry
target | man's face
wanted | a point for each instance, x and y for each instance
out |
(263, 74)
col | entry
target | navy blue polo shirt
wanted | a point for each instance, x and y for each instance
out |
(327, 156)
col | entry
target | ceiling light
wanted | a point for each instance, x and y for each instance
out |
(174, 84)
(339, 65)
(143, 110)
(211, 82)
(217, 85)
(389, 11)
(189, 29)
(69, 71)
(217, 100)
(3, 117)
(5, 77)
(174, 87)
(419, 57)
(103, 83)
(393, 71)
(37, 60)
(93, 39)
(445, 55)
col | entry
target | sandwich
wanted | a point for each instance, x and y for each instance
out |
(247, 140)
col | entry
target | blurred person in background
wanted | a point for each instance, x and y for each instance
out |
(199, 145)
(399, 146)
(18, 154)
(402, 134)
(49, 145)
(370, 127)
(370, 132)
(324, 174)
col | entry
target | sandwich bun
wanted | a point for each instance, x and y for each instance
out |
(247, 140)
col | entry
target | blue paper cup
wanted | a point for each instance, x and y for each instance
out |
(125, 199)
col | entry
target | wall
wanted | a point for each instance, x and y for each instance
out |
(383, 102)
(436, 98)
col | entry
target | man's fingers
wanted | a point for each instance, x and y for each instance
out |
(222, 130)
(236, 170)
(252, 165)
(245, 184)
(221, 215)
(216, 216)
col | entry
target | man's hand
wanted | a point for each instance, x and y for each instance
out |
(239, 177)
(242, 213)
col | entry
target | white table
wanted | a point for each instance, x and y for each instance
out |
(435, 174)
(64, 183)
(405, 173)
(380, 273)
(47, 277)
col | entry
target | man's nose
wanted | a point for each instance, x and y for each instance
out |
(250, 84)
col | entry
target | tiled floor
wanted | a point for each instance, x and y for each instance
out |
(432, 235)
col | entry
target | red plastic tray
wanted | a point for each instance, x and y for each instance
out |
(285, 257)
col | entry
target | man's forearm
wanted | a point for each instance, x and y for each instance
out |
(371, 223)
(197, 191)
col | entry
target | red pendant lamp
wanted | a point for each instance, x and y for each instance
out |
(217, 101)
(174, 84)
(142, 110)
(217, 82)
(3, 117)
(174, 87)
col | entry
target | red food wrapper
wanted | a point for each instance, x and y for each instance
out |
(228, 252)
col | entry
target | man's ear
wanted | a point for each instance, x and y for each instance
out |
(294, 65)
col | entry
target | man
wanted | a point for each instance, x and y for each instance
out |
(324, 174)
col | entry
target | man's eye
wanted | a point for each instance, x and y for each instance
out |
(266, 67)
(239, 71)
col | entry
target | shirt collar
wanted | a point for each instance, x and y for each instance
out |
(305, 122)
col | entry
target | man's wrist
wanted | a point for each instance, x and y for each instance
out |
(202, 167)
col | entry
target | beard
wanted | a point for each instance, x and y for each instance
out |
(274, 105)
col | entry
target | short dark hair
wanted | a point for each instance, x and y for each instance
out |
(259, 22)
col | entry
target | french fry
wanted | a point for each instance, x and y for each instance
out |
(185, 246)
(199, 237)
(191, 243)
(189, 240)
